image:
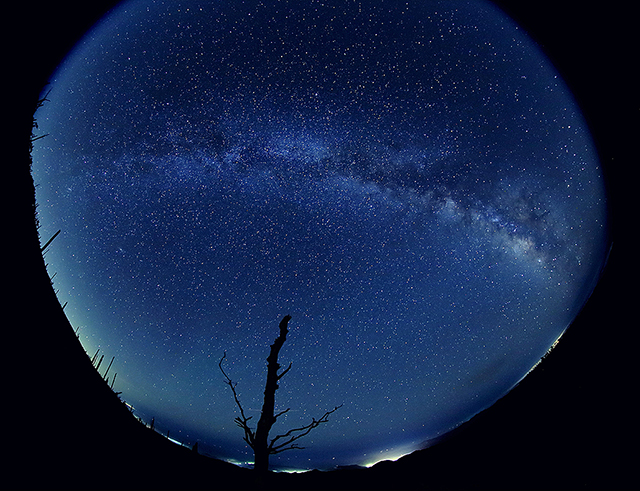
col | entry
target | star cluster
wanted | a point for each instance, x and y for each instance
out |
(411, 182)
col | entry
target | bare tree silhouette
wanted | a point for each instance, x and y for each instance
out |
(258, 439)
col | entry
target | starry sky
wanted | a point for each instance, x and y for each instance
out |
(411, 181)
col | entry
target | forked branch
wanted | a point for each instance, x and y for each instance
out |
(242, 420)
(296, 433)
(284, 372)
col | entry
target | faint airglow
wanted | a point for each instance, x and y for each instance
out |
(248, 464)
(555, 343)
(239, 463)
(392, 454)
(291, 470)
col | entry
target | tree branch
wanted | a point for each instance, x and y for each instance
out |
(292, 447)
(302, 431)
(285, 371)
(281, 413)
(241, 421)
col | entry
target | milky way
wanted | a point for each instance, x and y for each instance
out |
(413, 183)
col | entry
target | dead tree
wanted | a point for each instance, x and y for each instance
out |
(258, 439)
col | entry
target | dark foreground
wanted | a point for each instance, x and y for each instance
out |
(572, 424)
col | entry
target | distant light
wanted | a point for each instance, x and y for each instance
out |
(392, 454)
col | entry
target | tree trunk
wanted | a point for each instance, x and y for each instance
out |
(261, 443)
(261, 457)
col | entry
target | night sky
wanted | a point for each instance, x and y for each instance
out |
(413, 183)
